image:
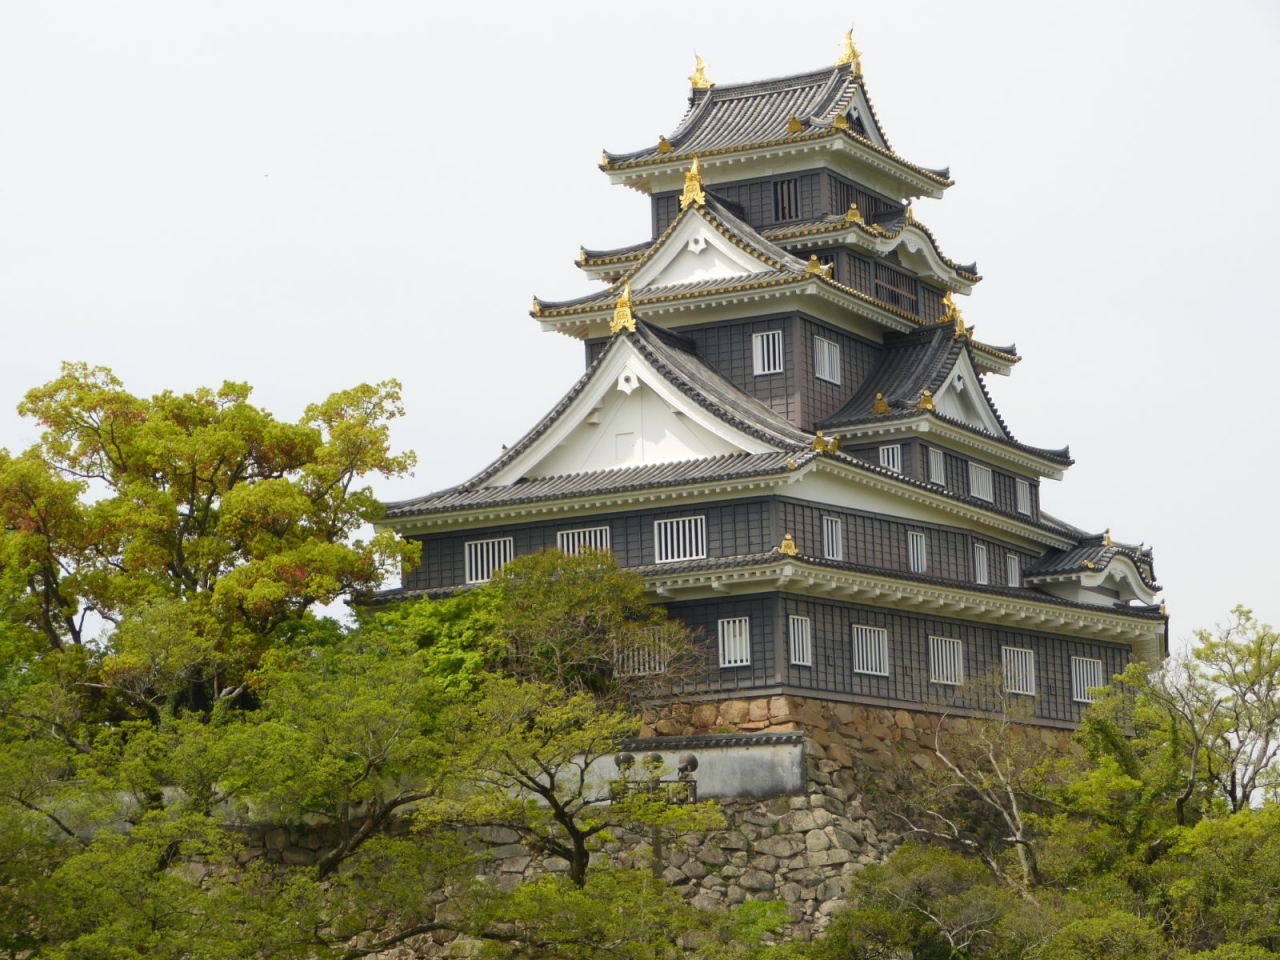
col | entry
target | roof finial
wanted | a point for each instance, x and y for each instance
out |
(882, 405)
(854, 215)
(699, 79)
(851, 55)
(622, 317)
(693, 193)
(664, 145)
(788, 546)
(926, 401)
(794, 124)
(1106, 537)
(816, 267)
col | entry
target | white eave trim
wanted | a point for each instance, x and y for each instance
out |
(1145, 636)
(942, 273)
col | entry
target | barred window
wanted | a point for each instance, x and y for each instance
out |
(918, 552)
(871, 650)
(800, 631)
(647, 656)
(1014, 563)
(981, 572)
(1024, 496)
(1086, 675)
(735, 642)
(826, 360)
(980, 482)
(937, 467)
(1019, 670)
(484, 558)
(683, 539)
(573, 542)
(786, 199)
(946, 661)
(891, 457)
(766, 352)
(833, 538)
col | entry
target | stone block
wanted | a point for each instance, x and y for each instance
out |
(704, 715)
(798, 821)
(668, 728)
(759, 710)
(790, 892)
(712, 855)
(514, 864)
(705, 901)
(764, 862)
(779, 707)
(783, 845)
(816, 840)
(760, 819)
(734, 841)
(694, 870)
(735, 894)
(756, 880)
(508, 850)
(555, 865)
(843, 712)
(497, 835)
(832, 889)
(297, 856)
(902, 719)
(674, 876)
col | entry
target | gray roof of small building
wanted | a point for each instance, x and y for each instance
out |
(1094, 553)
(727, 117)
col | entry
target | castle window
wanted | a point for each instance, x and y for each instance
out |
(766, 352)
(1086, 675)
(980, 482)
(891, 457)
(786, 199)
(484, 558)
(1014, 564)
(801, 633)
(735, 642)
(937, 467)
(826, 360)
(832, 538)
(946, 661)
(1019, 670)
(981, 572)
(871, 650)
(1024, 496)
(574, 542)
(646, 657)
(683, 539)
(918, 551)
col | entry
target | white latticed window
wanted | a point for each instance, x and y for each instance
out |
(484, 558)
(683, 539)
(1014, 563)
(766, 352)
(946, 661)
(735, 642)
(918, 552)
(832, 538)
(980, 568)
(891, 457)
(1024, 496)
(937, 467)
(800, 631)
(573, 542)
(1019, 670)
(1085, 675)
(980, 482)
(646, 657)
(826, 360)
(871, 650)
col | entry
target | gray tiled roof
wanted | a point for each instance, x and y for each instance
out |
(911, 364)
(726, 117)
(1095, 553)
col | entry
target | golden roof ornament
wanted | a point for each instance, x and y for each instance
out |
(1164, 609)
(1090, 565)
(794, 125)
(816, 268)
(693, 192)
(851, 55)
(622, 316)
(841, 122)
(537, 308)
(699, 79)
(911, 213)
(790, 462)
(664, 145)
(949, 309)
(823, 445)
(926, 401)
(788, 546)
(1106, 537)
(854, 215)
(882, 405)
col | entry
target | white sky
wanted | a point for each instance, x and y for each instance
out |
(310, 195)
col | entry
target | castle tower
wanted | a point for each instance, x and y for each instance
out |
(784, 427)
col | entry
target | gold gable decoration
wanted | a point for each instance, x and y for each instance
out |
(882, 405)
(664, 145)
(854, 215)
(788, 546)
(794, 125)
(926, 401)
(693, 193)
(823, 445)
(851, 55)
(699, 79)
(623, 319)
(816, 268)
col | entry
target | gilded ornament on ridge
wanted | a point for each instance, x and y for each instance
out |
(693, 192)
(699, 79)
(622, 316)
(882, 405)
(788, 546)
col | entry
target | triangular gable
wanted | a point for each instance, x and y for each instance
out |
(694, 251)
(627, 414)
(963, 398)
(861, 108)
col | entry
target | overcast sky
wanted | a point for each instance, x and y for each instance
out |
(311, 195)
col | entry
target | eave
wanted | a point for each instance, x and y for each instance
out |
(1141, 630)
(657, 174)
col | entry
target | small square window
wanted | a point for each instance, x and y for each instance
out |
(800, 632)
(891, 457)
(683, 539)
(826, 360)
(735, 642)
(980, 482)
(937, 467)
(832, 538)
(918, 552)
(766, 352)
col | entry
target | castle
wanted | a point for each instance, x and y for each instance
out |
(783, 426)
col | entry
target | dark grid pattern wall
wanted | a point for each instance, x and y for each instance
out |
(767, 639)
(841, 192)
(819, 398)
(908, 679)
(728, 348)
(732, 529)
